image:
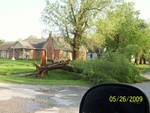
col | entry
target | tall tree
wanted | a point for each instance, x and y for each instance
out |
(124, 32)
(2, 41)
(73, 18)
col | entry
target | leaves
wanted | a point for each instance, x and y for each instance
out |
(72, 16)
(124, 32)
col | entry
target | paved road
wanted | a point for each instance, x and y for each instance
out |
(145, 87)
(16, 98)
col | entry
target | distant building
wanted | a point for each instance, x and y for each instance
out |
(55, 47)
(91, 55)
(83, 53)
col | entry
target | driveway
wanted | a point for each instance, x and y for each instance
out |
(18, 98)
(145, 87)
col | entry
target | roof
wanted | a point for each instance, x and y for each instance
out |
(30, 44)
(38, 45)
(22, 44)
(59, 43)
(34, 43)
(7, 45)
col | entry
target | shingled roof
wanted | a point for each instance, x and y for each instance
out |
(34, 43)
(60, 43)
(7, 45)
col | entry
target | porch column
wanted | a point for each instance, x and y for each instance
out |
(13, 56)
(23, 53)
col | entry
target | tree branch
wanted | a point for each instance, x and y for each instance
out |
(73, 14)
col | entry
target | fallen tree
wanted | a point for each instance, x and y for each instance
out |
(43, 70)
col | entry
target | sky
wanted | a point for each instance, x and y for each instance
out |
(144, 7)
(22, 18)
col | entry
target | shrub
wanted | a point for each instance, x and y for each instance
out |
(111, 68)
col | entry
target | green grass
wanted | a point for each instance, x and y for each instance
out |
(43, 81)
(9, 70)
(8, 67)
(143, 68)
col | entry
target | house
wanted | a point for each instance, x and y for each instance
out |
(91, 55)
(6, 50)
(56, 49)
(83, 53)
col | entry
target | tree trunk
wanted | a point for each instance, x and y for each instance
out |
(43, 70)
(141, 60)
(99, 52)
(76, 46)
(117, 41)
(144, 60)
(136, 60)
(44, 61)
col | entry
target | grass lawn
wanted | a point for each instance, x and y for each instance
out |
(9, 68)
(143, 68)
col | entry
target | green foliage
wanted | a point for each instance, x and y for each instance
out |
(111, 68)
(1, 41)
(143, 68)
(124, 32)
(116, 27)
(73, 18)
(44, 81)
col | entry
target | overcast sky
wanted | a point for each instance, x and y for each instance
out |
(144, 7)
(21, 18)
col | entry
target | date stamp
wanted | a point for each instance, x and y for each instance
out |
(125, 99)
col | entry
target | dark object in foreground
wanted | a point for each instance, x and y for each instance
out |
(114, 98)
(43, 70)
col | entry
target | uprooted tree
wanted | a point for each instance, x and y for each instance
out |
(43, 68)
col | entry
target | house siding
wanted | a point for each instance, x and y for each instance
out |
(36, 54)
(3, 54)
(10, 53)
(49, 49)
(56, 54)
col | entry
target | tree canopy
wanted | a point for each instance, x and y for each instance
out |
(73, 18)
(123, 31)
(118, 27)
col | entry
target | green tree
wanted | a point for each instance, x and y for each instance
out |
(73, 18)
(2, 41)
(94, 43)
(124, 32)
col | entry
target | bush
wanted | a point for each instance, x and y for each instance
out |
(111, 68)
